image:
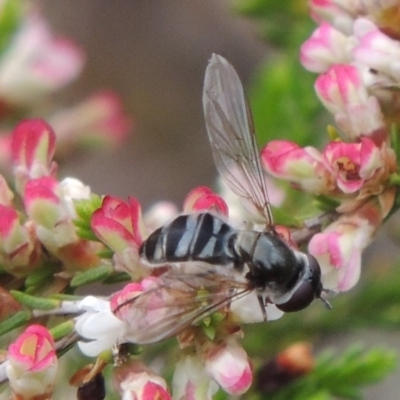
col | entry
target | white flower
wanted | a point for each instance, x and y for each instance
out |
(99, 325)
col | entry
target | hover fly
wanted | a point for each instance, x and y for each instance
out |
(205, 254)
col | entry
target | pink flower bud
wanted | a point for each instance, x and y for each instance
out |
(344, 94)
(120, 226)
(191, 381)
(229, 366)
(340, 13)
(338, 250)
(32, 149)
(353, 164)
(42, 202)
(51, 215)
(19, 249)
(325, 47)
(134, 381)
(303, 167)
(340, 87)
(37, 64)
(204, 199)
(32, 364)
(376, 50)
(118, 223)
(97, 120)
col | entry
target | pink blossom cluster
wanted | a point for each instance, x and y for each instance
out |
(34, 65)
(45, 225)
(355, 50)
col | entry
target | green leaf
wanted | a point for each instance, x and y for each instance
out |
(15, 321)
(284, 105)
(85, 209)
(34, 302)
(117, 278)
(40, 277)
(63, 329)
(92, 275)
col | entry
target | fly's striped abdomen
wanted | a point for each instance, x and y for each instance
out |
(195, 237)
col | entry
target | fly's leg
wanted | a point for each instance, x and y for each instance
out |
(262, 306)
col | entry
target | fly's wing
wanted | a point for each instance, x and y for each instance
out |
(231, 133)
(177, 302)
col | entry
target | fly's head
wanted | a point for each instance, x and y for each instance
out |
(309, 288)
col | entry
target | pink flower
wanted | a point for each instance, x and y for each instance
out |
(32, 364)
(134, 381)
(32, 150)
(303, 167)
(98, 120)
(142, 307)
(37, 64)
(203, 198)
(340, 87)
(325, 47)
(229, 366)
(376, 50)
(353, 164)
(190, 380)
(119, 225)
(338, 250)
(344, 94)
(340, 13)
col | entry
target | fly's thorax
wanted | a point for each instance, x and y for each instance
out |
(272, 263)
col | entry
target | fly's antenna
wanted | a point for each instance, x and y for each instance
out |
(327, 292)
(326, 303)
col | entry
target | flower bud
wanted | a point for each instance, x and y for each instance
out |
(325, 47)
(227, 363)
(134, 381)
(32, 149)
(120, 226)
(338, 251)
(343, 93)
(32, 364)
(302, 167)
(203, 198)
(98, 120)
(190, 381)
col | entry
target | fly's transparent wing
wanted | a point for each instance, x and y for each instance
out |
(231, 132)
(179, 300)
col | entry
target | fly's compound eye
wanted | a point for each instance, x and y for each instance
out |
(309, 288)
